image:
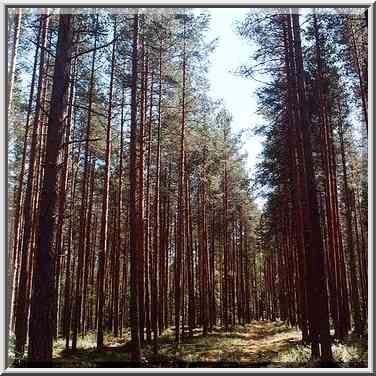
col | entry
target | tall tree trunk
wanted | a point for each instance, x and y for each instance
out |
(355, 302)
(41, 315)
(156, 238)
(62, 194)
(225, 246)
(318, 297)
(180, 240)
(23, 292)
(83, 208)
(134, 292)
(297, 171)
(190, 263)
(147, 220)
(205, 261)
(140, 204)
(333, 255)
(89, 253)
(119, 215)
(105, 201)
(18, 210)
(68, 265)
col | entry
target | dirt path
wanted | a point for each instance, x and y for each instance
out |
(259, 344)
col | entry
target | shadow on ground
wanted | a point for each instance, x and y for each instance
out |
(259, 344)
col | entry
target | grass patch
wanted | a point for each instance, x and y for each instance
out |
(351, 353)
(258, 344)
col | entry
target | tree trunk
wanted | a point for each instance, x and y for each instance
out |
(134, 292)
(105, 201)
(180, 240)
(147, 220)
(317, 297)
(62, 195)
(83, 209)
(355, 302)
(18, 210)
(140, 204)
(23, 292)
(41, 316)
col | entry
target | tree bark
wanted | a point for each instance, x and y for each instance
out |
(41, 316)
(318, 318)
(22, 297)
(105, 202)
(18, 210)
(180, 240)
(134, 271)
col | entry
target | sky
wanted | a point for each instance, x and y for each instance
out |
(238, 93)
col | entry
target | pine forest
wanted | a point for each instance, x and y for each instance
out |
(139, 232)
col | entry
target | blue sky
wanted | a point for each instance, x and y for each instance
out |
(238, 93)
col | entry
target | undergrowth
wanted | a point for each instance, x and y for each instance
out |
(259, 344)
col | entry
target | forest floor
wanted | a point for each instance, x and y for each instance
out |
(259, 344)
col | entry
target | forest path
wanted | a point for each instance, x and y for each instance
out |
(258, 344)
